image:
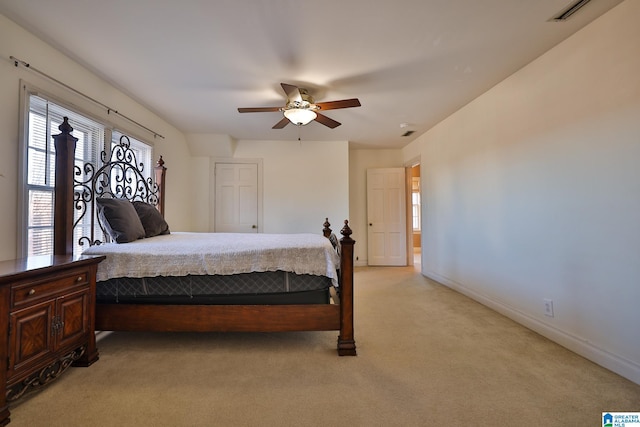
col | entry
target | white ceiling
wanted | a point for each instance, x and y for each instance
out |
(194, 62)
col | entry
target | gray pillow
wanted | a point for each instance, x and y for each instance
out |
(151, 219)
(120, 219)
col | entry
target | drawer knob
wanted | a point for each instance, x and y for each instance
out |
(31, 292)
(79, 279)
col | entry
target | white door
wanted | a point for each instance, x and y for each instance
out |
(386, 217)
(236, 198)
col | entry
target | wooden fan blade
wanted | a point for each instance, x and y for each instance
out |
(293, 93)
(334, 105)
(327, 121)
(282, 123)
(258, 109)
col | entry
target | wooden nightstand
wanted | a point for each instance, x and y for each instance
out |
(47, 319)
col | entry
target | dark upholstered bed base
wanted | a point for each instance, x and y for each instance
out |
(269, 287)
(319, 296)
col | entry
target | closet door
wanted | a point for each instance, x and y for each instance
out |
(236, 197)
(386, 226)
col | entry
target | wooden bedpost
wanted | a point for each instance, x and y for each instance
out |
(326, 231)
(65, 145)
(346, 341)
(160, 173)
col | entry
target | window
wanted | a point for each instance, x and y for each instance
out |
(44, 117)
(415, 202)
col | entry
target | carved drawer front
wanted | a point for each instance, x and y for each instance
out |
(73, 318)
(31, 337)
(47, 327)
(29, 292)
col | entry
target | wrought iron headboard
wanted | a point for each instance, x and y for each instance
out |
(118, 175)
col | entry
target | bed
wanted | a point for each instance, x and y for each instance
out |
(196, 282)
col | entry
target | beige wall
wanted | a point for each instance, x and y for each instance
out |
(304, 182)
(532, 192)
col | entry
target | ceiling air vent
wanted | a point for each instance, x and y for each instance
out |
(573, 8)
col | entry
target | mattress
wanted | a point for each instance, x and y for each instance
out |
(208, 254)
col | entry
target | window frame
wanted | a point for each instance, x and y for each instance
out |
(65, 101)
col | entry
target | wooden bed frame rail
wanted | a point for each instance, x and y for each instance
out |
(72, 194)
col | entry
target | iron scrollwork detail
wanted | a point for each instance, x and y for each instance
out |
(45, 375)
(120, 176)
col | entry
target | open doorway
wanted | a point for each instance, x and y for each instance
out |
(416, 220)
(413, 214)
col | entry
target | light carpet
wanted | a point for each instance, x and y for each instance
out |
(427, 356)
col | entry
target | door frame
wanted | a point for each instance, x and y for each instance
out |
(212, 188)
(409, 208)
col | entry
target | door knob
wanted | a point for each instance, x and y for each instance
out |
(370, 224)
(254, 226)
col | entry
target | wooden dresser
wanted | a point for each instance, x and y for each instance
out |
(47, 320)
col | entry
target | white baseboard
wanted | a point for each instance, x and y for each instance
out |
(584, 348)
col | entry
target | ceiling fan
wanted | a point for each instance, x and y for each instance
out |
(301, 109)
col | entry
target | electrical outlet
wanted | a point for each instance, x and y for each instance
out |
(548, 307)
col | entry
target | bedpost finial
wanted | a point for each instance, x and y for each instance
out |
(326, 231)
(346, 230)
(160, 162)
(65, 127)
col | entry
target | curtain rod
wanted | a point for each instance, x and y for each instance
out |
(110, 110)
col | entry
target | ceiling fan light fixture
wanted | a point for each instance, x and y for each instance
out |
(301, 109)
(300, 116)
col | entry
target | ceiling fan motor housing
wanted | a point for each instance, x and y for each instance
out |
(306, 101)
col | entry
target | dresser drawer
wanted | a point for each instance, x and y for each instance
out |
(35, 290)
